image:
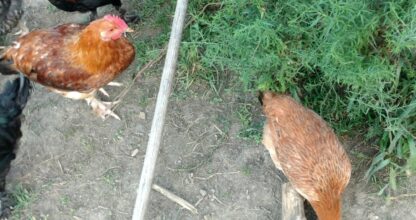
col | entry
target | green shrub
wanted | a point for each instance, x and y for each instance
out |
(351, 61)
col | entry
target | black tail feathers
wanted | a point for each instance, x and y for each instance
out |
(6, 69)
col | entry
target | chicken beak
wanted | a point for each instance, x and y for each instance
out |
(129, 30)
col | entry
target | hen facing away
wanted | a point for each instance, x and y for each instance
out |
(12, 101)
(75, 60)
(90, 5)
(308, 152)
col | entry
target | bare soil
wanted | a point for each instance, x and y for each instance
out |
(77, 166)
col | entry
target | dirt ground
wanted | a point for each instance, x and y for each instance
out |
(76, 166)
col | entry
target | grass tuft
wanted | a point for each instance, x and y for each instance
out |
(21, 198)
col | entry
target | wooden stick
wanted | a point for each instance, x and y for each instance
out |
(292, 204)
(146, 179)
(150, 64)
(175, 198)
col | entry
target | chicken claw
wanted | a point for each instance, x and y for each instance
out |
(102, 109)
(102, 90)
(115, 84)
(23, 28)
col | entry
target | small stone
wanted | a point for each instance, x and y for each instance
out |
(202, 192)
(188, 181)
(373, 216)
(134, 152)
(142, 115)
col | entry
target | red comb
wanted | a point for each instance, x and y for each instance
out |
(117, 20)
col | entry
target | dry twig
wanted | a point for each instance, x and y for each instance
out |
(215, 174)
(200, 200)
(402, 196)
(175, 198)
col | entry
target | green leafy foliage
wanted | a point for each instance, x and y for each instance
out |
(351, 61)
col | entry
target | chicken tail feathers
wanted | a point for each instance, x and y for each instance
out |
(13, 99)
(6, 68)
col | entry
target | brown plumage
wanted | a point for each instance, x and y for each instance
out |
(308, 152)
(75, 60)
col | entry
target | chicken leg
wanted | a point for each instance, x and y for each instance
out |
(130, 17)
(104, 92)
(102, 109)
(23, 28)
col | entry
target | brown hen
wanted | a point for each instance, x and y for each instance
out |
(75, 60)
(308, 152)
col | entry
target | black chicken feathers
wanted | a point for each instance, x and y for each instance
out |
(6, 69)
(83, 5)
(92, 5)
(12, 101)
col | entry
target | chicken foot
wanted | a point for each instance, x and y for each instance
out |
(102, 109)
(104, 92)
(23, 28)
(23, 31)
